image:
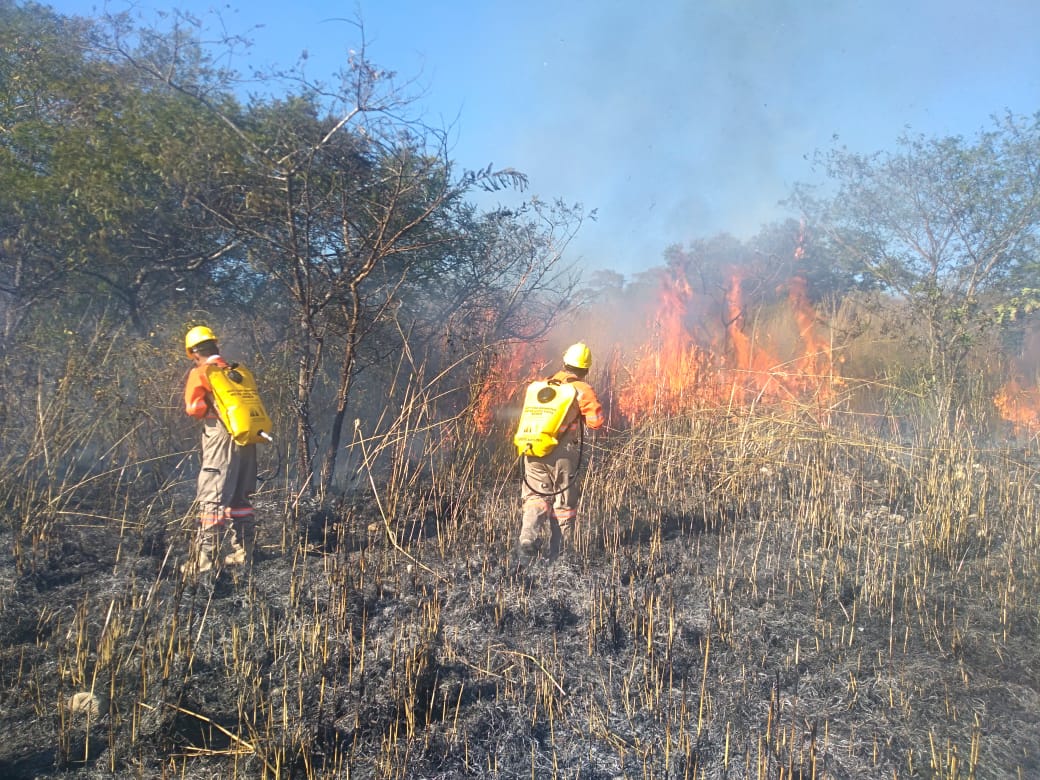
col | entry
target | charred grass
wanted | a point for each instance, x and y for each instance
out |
(749, 596)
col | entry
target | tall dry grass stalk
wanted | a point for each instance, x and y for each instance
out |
(773, 593)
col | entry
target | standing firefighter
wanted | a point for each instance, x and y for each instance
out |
(549, 437)
(223, 395)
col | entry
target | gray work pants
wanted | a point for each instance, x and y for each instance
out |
(227, 479)
(550, 495)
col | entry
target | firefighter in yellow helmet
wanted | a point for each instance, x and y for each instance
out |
(227, 473)
(549, 491)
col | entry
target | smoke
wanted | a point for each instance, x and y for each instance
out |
(674, 120)
(697, 118)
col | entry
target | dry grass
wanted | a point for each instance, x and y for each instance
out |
(776, 594)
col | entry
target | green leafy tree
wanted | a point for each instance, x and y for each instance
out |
(110, 180)
(944, 231)
(343, 203)
(138, 186)
(38, 52)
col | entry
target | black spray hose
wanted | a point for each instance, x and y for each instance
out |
(581, 448)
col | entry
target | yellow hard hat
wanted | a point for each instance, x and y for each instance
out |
(578, 355)
(196, 336)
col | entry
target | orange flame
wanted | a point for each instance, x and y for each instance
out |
(688, 362)
(509, 370)
(808, 375)
(816, 363)
(669, 369)
(1020, 406)
(1019, 399)
(751, 371)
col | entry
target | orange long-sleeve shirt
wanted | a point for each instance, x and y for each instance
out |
(198, 393)
(588, 403)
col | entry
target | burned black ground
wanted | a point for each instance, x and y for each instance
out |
(800, 622)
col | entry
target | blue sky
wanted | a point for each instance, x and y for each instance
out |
(676, 119)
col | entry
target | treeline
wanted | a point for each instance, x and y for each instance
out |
(334, 245)
(324, 234)
(920, 268)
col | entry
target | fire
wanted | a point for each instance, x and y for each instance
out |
(508, 371)
(708, 346)
(1019, 399)
(668, 371)
(757, 372)
(752, 370)
(701, 350)
(1020, 406)
(817, 354)
(677, 371)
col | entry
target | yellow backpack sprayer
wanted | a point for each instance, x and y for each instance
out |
(546, 404)
(238, 404)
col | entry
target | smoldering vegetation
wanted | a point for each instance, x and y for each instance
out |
(751, 595)
(808, 543)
